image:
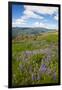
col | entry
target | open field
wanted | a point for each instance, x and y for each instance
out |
(35, 59)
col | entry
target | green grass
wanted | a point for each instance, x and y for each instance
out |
(24, 67)
(40, 42)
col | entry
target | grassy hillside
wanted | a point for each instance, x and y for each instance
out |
(35, 59)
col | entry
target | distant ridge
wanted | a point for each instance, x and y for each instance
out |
(29, 30)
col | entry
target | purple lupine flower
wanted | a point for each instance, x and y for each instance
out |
(33, 77)
(43, 68)
(54, 76)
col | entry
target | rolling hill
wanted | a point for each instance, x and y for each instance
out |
(16, 31)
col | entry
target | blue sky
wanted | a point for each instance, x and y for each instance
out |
(33, 16)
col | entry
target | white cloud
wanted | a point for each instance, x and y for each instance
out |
(56, 17)
(45, 25)
(38, 24)
(30, 14)
(51, 26)
(42, 9)
(18, 22)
